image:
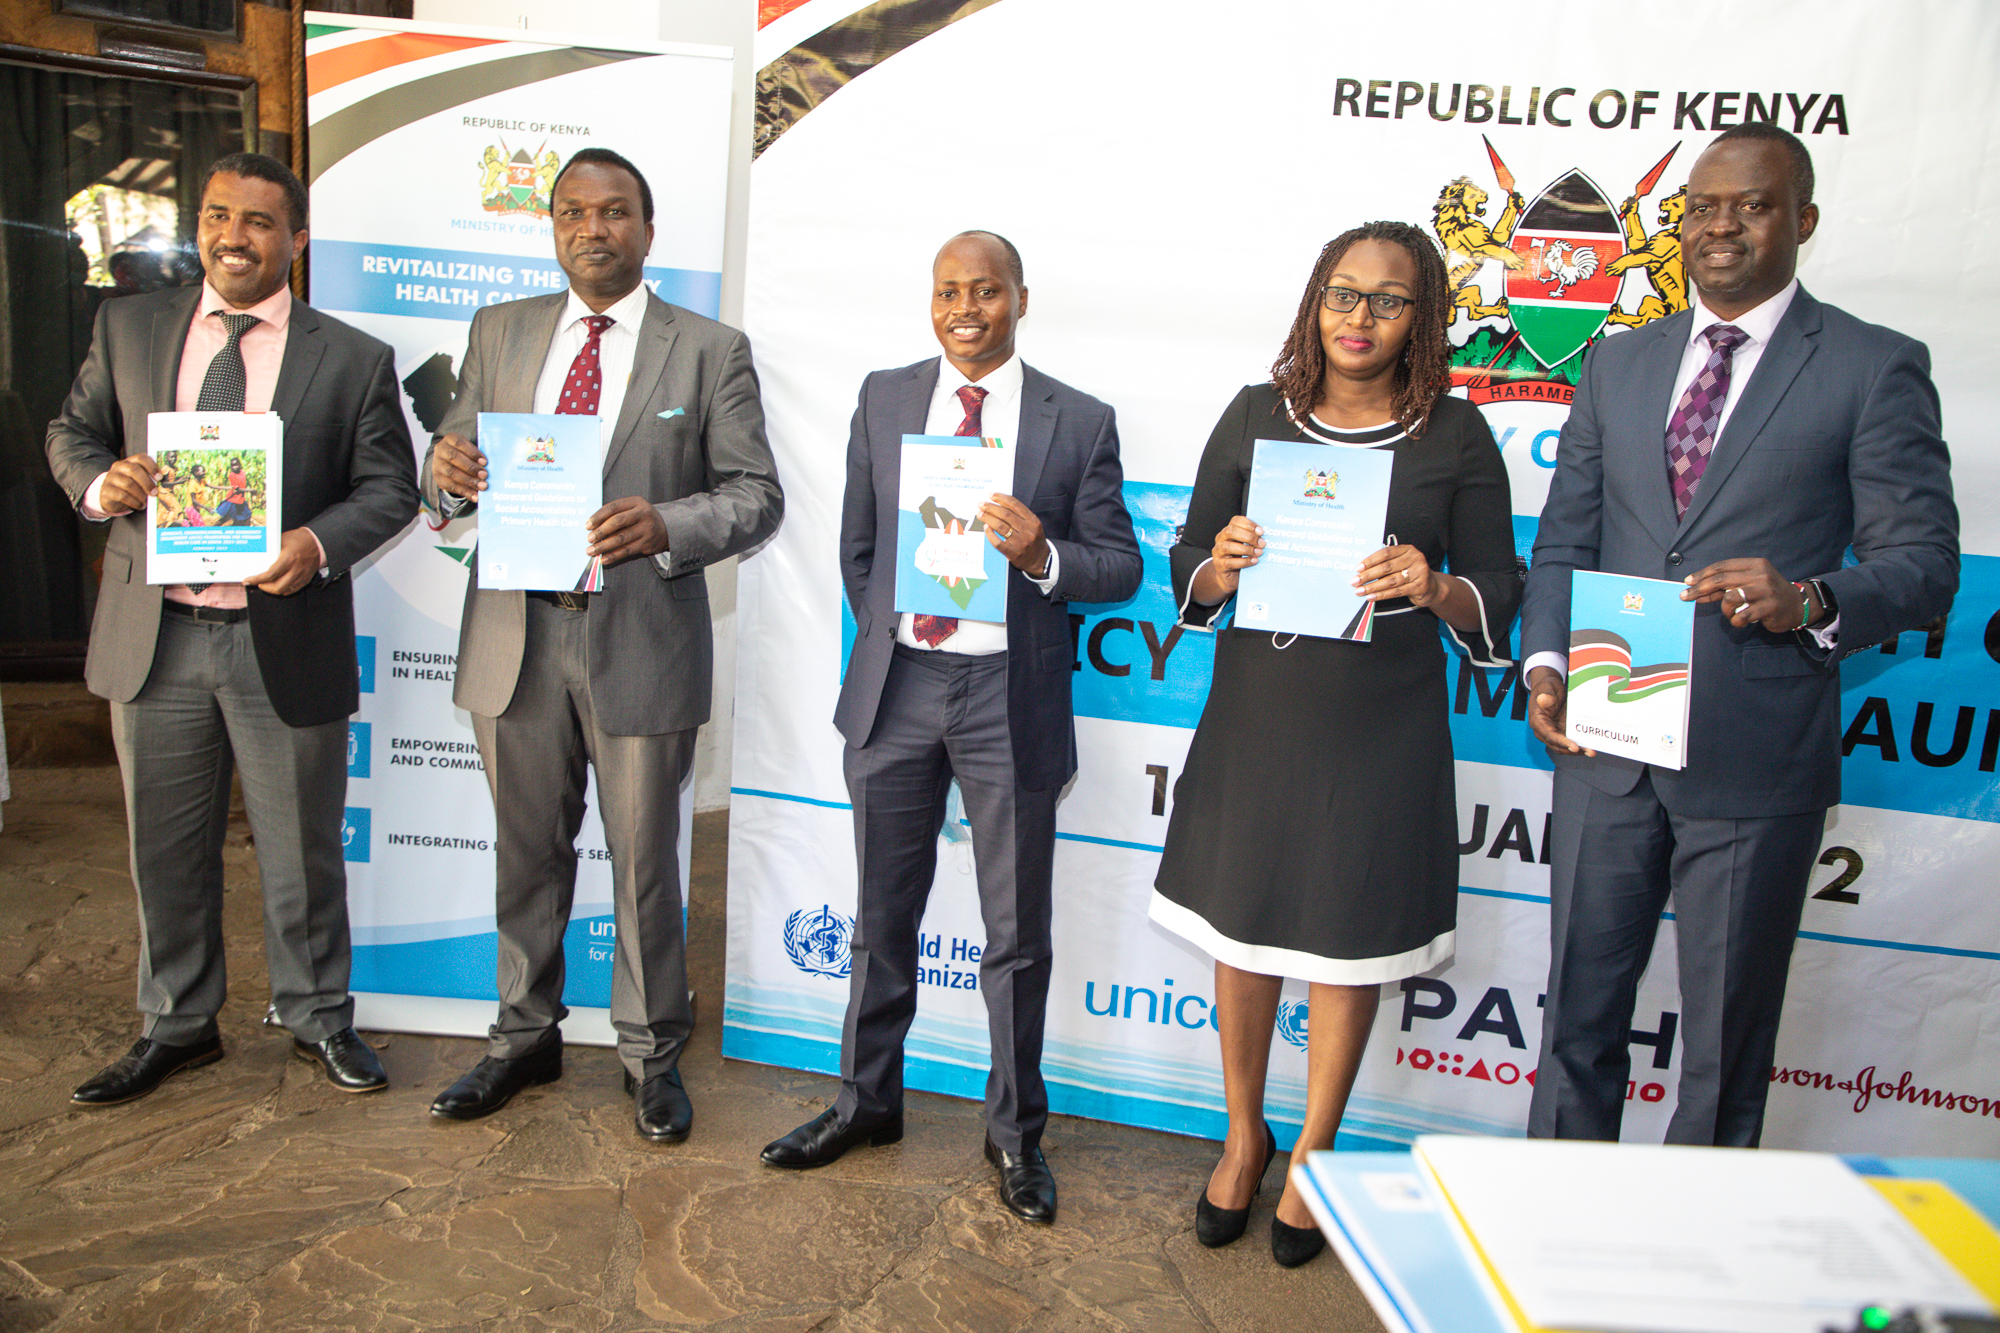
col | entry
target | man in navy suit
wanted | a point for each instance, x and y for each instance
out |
(1738, 448)
(928, 699)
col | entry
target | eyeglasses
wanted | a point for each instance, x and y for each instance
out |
(1382, 305)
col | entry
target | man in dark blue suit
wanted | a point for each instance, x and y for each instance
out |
(1791, 431)
(928, 699)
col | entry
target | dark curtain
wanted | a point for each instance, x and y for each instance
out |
(61, 132)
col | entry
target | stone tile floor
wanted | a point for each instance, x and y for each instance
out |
(250, 1195)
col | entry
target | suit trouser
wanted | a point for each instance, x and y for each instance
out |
(203, 713)
(1738, 888)
(944, 715)
(537, 756)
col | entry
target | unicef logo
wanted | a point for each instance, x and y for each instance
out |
(817, 940)
(1292, 1017)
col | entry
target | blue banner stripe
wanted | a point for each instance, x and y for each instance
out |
(453, 284)
(787, 796)
(1898, 945)
(1111, 842)
(1541, 898)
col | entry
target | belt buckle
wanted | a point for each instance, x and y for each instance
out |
(571, 601)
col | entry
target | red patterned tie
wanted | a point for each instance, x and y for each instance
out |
(586, 378)
(933, 630)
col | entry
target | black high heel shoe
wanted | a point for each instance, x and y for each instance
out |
(1216, 1227)
(1292, 1246)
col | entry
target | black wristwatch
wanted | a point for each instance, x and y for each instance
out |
(1829, 605)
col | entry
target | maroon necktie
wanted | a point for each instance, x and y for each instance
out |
(1691, 432)
(934, 630)
(586, 377)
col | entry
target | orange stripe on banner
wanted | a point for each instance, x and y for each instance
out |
(768, 10)
(330, 69)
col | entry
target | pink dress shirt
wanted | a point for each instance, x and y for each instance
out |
(263, 348)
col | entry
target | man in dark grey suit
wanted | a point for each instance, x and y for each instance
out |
(618, 679)
(1792, 430)
(929, 699)
(260, 673)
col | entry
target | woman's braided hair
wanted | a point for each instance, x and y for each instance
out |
(1425, 372)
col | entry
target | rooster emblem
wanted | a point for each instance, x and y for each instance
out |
(1565, 265)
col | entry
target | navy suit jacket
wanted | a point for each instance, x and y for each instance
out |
(1834, 442)
(1066, 470)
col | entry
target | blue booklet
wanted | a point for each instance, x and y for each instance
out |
(945, 566)
(544, 479)
(1322, 508)
(1629, 644)
(1391, 1234)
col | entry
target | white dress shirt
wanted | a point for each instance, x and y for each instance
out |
(999, 418)
(1758, 325)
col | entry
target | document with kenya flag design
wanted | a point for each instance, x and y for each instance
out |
(1629, 644)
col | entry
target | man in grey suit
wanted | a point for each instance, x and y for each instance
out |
(617, 679)
(260, 674)
(928, 699)
(1791, 430)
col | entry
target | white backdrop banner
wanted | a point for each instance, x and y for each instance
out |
(434, 148)
(1169, 174)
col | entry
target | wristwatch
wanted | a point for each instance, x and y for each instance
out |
(1829, 605)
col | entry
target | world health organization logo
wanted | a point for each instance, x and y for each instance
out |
(817, 940)
(1292, 1016)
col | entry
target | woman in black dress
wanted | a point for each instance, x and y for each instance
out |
(1314, 831)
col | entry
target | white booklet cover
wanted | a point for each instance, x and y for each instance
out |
(1625, 1236)
(1630, 640)
(216, 514)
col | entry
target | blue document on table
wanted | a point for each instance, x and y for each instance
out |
(544, 479)
(1394, 1240)
(1630, 640)
(945, 566)
(1322, 508)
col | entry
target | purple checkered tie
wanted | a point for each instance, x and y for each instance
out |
(1691, 432)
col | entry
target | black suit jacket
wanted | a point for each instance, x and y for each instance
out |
(350, 476)
(1066, 470)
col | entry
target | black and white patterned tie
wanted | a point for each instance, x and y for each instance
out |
(224, 386)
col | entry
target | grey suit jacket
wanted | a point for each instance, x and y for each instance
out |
(1834, 441)
(1066, 469)
(349, 476)
(707, 469)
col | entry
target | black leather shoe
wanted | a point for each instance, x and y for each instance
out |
(1027, 1186)
(825, 1137)
(1292, 1246)
(661, 1110)
(350, 1063)
(1216, 1227)
(142, 1069)
(493, 1083)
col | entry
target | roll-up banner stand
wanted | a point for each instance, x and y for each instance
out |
(433, 149)
(1169, 173)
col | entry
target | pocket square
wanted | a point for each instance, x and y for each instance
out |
(672, 412)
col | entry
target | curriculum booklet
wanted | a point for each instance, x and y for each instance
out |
(1629, 644)
(215, 515)
(945, 566)
(544, 479)
(1323, 508)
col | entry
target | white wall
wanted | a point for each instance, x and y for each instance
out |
(731, 23)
